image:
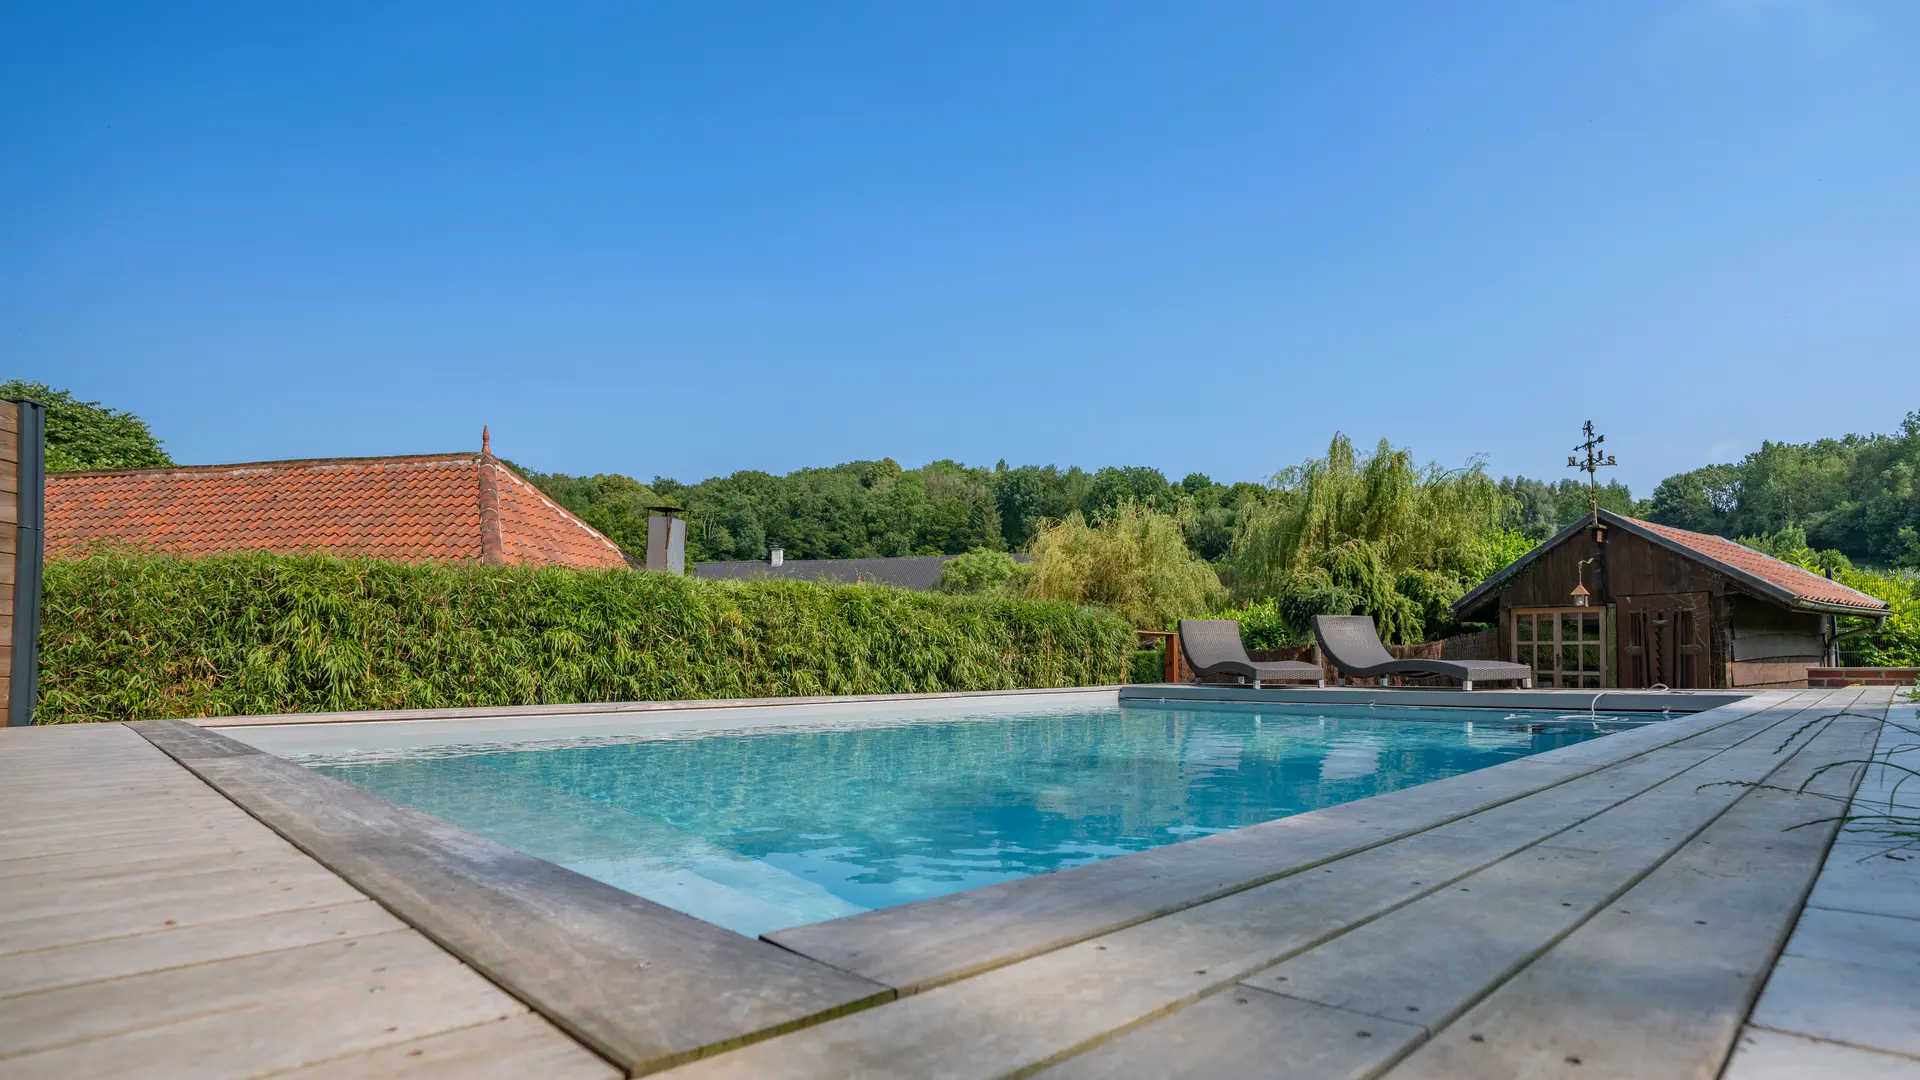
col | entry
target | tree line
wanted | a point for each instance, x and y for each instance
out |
(1377, 533)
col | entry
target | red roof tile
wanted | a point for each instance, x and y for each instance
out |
(425, 507)
(1803, 584)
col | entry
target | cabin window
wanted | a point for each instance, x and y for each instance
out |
(1565, 647)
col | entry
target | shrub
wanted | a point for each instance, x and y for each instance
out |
(134, 636)
(1262, 626)
(1147, 665)
(978, 571)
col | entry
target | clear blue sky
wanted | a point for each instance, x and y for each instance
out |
(689, 238)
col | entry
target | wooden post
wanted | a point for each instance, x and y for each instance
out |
(22, 507)
(1171, 641)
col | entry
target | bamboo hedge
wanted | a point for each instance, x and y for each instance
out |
(129, 635)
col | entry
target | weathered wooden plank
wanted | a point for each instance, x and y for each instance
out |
(160, 813)
(38, 899)
(136, 854)
(120, 916)
(1038, 1009)
(916, 946)
(644, 985)
(1772, 1055)
(1429, 960)
(1034, 1010)
(48, 969)
(133, 859)
(523, 1047)
(286, 1032)
(64, 810)
(1576, 802)
(95, 1010)
(1246, 1033)
(1657, 984)
(236, 831)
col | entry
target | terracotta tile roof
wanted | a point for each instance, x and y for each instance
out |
(1802, 584)
(423, 507)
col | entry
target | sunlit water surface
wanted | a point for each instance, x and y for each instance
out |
(771, 828)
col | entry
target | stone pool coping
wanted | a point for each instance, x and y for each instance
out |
(618, 707)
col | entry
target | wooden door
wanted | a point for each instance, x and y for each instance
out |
(1565, 646)
(1663, 641)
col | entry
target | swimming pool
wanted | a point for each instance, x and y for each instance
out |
(770, 825)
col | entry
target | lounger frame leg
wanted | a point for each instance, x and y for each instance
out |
(1467, 684)
(1256, 678)
(1526, 684)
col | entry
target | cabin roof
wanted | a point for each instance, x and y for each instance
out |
(1758, 573)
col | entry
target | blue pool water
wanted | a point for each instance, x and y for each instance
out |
(769, 828)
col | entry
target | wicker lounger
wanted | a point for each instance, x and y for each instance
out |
(1212, 647)
(1352, 645)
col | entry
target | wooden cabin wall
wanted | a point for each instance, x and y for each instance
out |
(1630, 568)
(1549, 581)
(1763, 631)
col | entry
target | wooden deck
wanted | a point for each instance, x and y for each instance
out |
(149, 927)
(1612, 909)
(1607, 910)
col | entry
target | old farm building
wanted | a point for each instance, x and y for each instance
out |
(461, 508)
(1635, 604)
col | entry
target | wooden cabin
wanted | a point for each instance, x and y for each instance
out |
(1635, 604)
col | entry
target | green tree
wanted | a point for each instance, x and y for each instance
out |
(1858, 495)
(89, 435)
(1141, 484)
(1541, 508)
(1133, 561)
(1375, 535)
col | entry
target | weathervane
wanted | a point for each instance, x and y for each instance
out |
(1590, 464)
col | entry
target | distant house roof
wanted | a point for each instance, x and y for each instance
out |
(920, 572)
(1761, 574)
(429, 507)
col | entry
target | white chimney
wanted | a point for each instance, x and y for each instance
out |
(779, 556)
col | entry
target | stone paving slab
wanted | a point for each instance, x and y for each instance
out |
(1775, 1055)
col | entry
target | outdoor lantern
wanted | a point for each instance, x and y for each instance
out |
(1580, 596)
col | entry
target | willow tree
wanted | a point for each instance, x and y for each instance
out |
(1131, 560)
(1378, 535)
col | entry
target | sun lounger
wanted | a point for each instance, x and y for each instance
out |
(1212, 647)
(1352, 646)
